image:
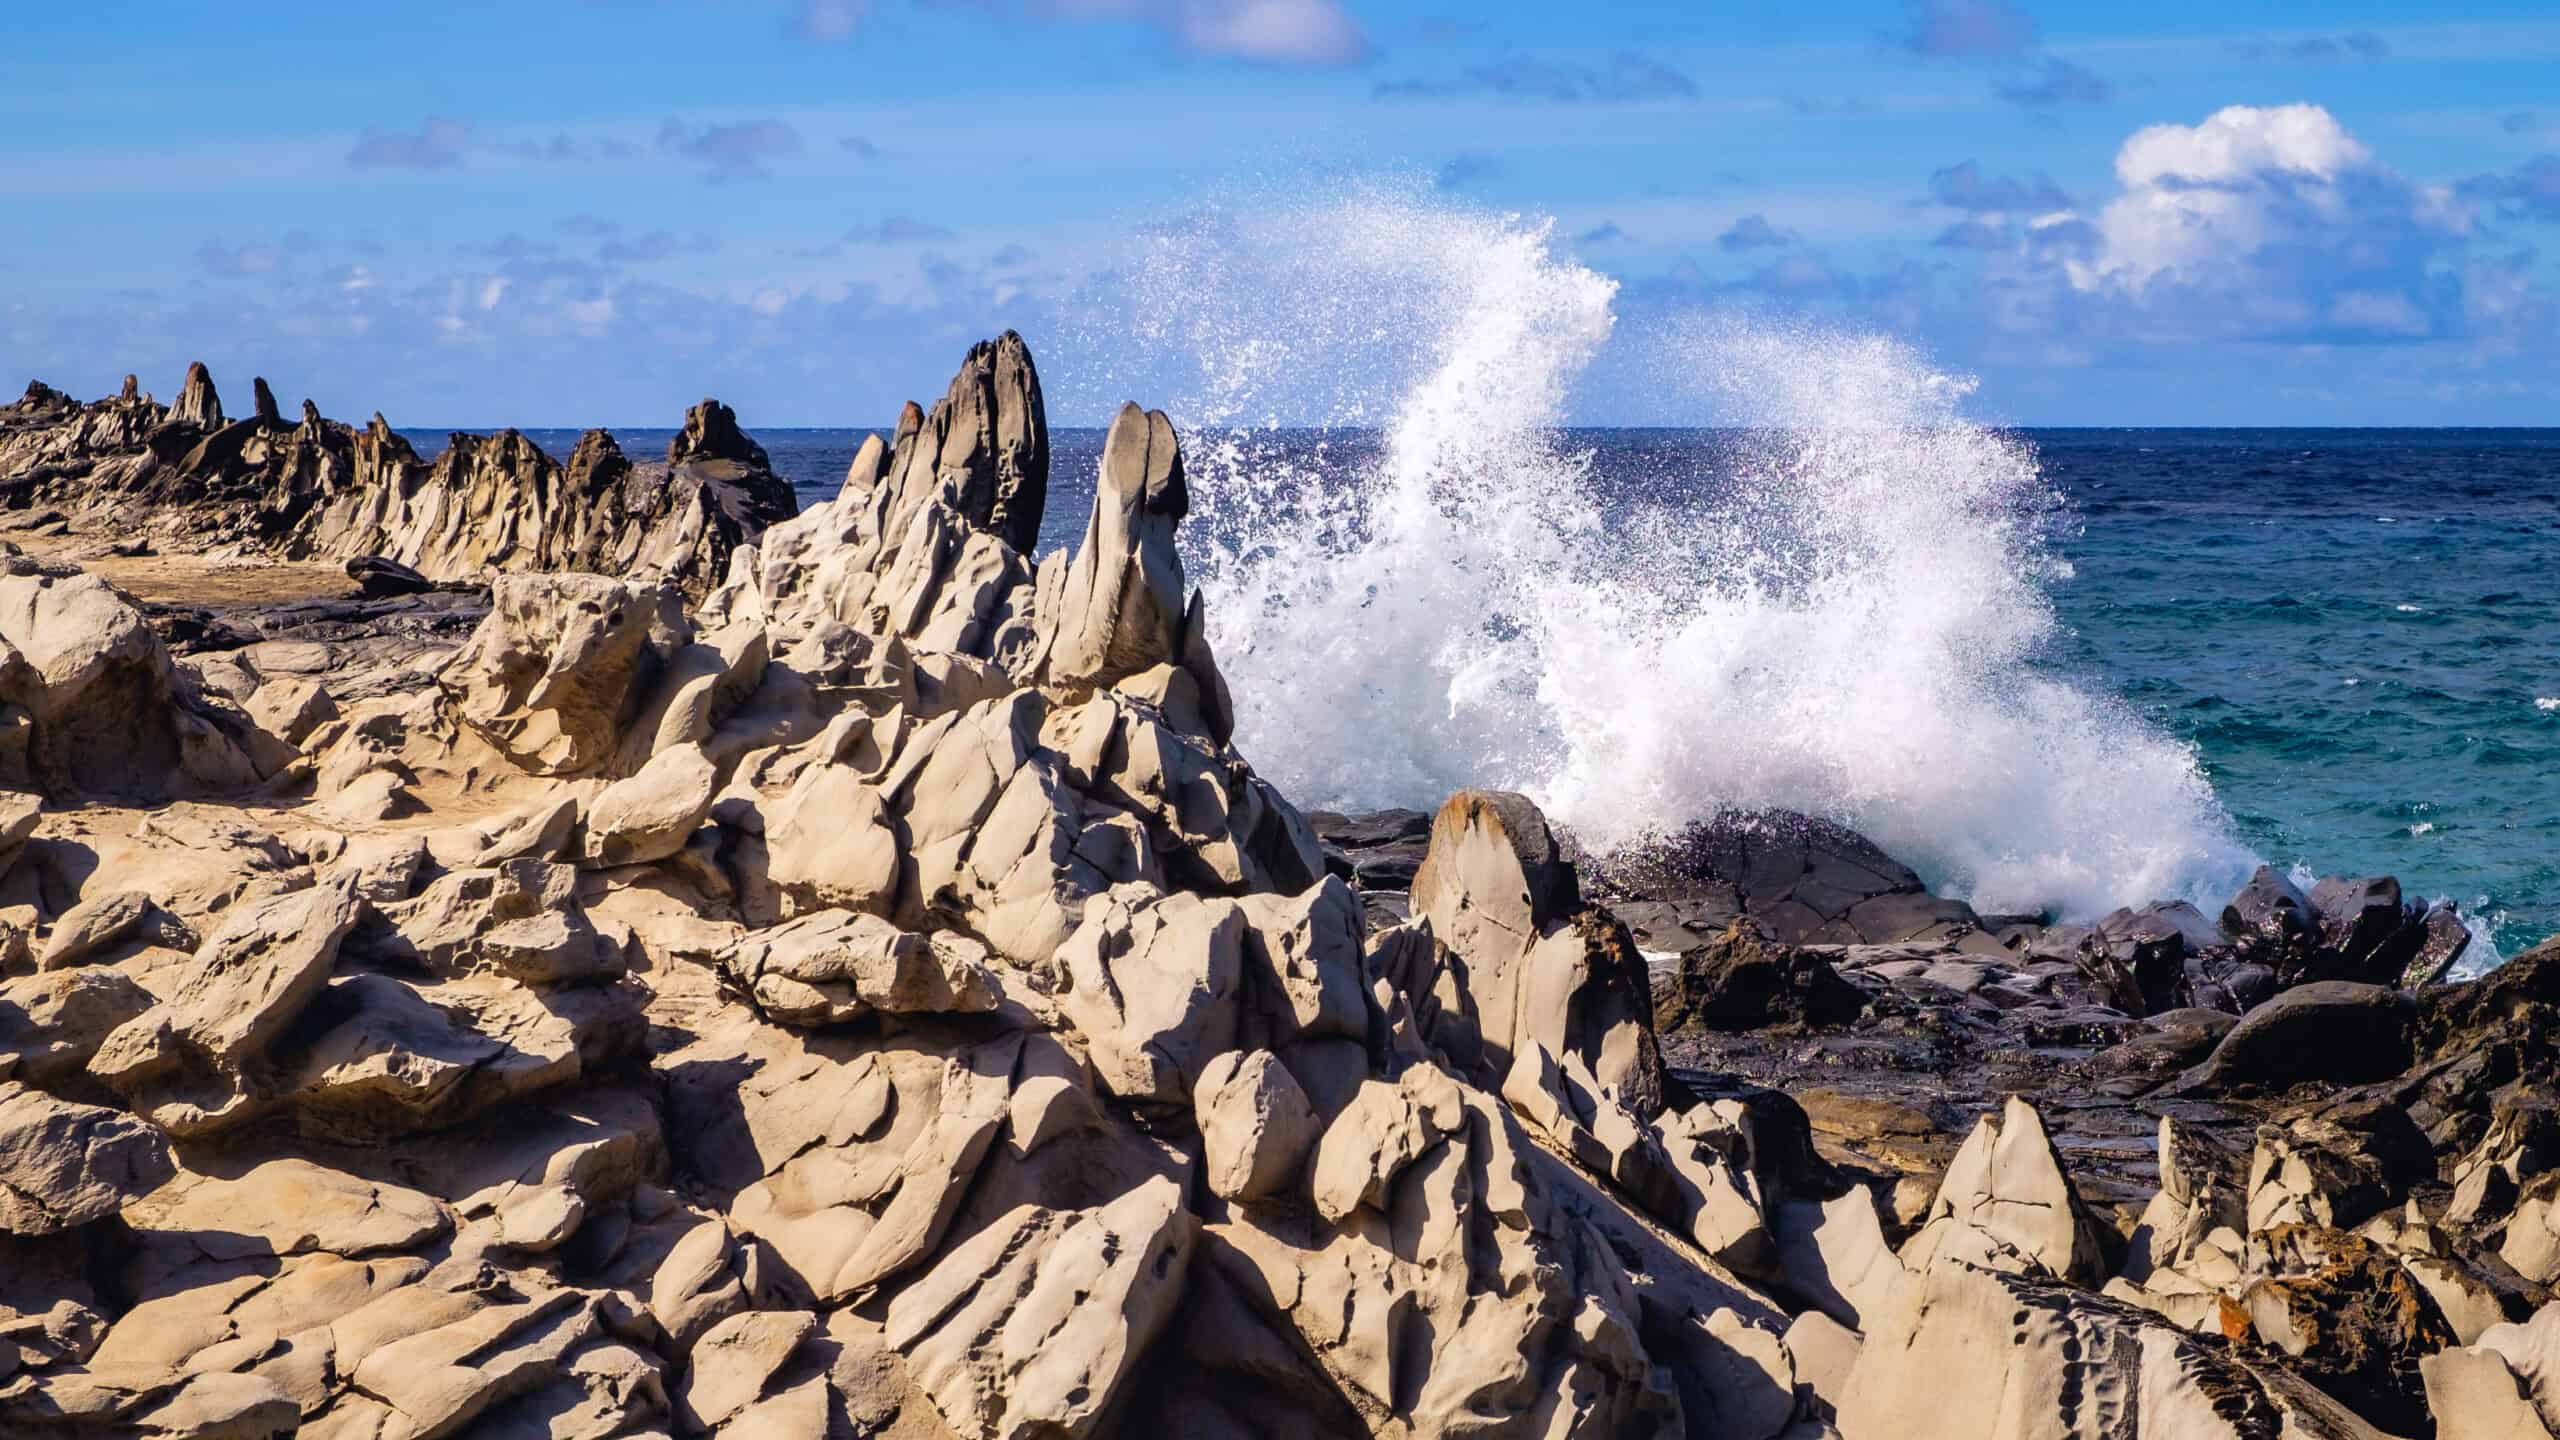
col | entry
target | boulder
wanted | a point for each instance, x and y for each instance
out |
(2503, 1386)
(193, 1061)
(1738, 981)
(1256, 1127)
(561, 666)
(381, 578)
(1543, 969)
(2334, 1030)
(104, 709)
(647, 816)
(198, 404)
(94, 925)
(63, 1165)
(1119, 607)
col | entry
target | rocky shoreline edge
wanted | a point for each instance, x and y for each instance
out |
(504, 948)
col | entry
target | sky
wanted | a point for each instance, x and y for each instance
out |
(572, 212)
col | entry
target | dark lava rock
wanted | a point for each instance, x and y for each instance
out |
(2166, 1045)
(1378, 850)
(1797, 879)
(381, 579)
(2329, 1030)
(1742, 982)
(2446, 940)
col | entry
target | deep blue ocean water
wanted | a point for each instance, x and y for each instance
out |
(2358, 631)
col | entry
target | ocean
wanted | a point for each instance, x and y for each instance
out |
(2178, 651)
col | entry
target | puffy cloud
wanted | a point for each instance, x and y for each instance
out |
(730, 152)
(1627, 78)
(439, 144)
(1964, 186)
(1944, 29)
(2056, 81)
(2269, 223)
(1753, 232)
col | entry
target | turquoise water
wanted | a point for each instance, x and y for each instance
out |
(2358, 632)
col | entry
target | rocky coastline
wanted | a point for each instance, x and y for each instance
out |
(504, 947)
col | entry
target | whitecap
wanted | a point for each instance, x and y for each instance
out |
(1853, 630)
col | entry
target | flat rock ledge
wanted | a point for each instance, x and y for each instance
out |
(857, 988)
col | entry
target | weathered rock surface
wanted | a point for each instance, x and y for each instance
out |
(829, 976)
(362, 494)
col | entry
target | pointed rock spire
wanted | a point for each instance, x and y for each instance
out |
(711, 433)
(267, 411)
(198, 404)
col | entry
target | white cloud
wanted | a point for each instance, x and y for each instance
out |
(2268, 220)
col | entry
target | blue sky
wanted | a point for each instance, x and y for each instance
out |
(595, 211)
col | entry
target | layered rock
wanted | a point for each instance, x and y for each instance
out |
(318, 488)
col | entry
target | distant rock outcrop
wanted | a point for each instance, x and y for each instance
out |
(323, 490)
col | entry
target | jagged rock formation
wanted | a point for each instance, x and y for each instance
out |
(322, 489)
(878, 998)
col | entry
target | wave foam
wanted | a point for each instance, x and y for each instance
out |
(1838, 611)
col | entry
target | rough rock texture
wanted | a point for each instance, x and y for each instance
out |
(859, 989)
(323, 489)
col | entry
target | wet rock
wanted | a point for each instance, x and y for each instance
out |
(2334, 1030)
(1797, 879)
(1740, 982)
